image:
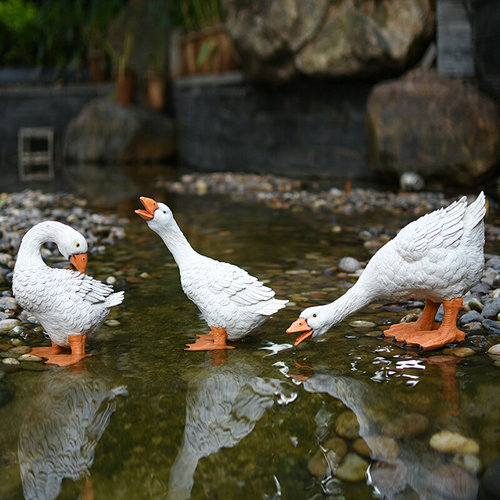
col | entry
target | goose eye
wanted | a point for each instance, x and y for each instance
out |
(164, 211)
(77, 245)
(315, 315)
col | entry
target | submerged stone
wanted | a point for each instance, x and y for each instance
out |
(347, 425)
(352, 469)
(453, 442)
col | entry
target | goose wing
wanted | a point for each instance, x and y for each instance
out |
(441, 229)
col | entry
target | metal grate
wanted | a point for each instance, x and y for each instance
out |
(36, 153)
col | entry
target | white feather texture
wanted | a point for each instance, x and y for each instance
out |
(226, 295)
(437, 257)
(65, 302)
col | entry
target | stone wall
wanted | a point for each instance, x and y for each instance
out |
(40, 107)
(304, 129)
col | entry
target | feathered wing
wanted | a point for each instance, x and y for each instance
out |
(225, 283)
(474, 220)
(96, 292)
(438, 230)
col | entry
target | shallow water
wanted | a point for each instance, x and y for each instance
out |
(145, 419)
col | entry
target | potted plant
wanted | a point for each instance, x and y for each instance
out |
(125, 77)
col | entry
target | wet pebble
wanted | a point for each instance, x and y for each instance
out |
(346, 425)
(352, 469)
(383, 447)
(8, 303)
(470, 463)
(8, 324)
(459, 352)
(22, 349)
(470, 317)
(453, 442)
(349, 265)
(491, 308)
(495, 350)
(327, 458)
(389, 478)
(411, 424)
(362, 324)
(29, 357)
(10, 361)
(112, 322)
(452, 482)
(361, 447)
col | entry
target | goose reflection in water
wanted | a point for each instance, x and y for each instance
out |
(62, 427)
(415, 470)
(223, 404)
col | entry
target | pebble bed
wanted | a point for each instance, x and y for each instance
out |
(480, 317)
(18, 213)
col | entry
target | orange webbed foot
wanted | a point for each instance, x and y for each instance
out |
(435, 339)
(216, 339)
(66, 359)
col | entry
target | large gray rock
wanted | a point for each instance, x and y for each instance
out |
(280, 40)
(105, 132)
(438, 127)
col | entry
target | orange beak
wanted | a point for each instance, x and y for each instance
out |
(79, 260)
(150, 205)
(300, 326)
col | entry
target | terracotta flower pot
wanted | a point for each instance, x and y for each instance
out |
(125, 86)
(156, 85)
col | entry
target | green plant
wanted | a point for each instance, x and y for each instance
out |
(194, 15)
(18, 32)
(121, 57)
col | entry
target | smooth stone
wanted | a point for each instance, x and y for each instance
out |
(473, 303)
(33, 366)
(8, 303)
(352, 469)
(10, 361)
(347, 425)
(412, 425)
(459, 352)
(29, 357)
(390, 478)
(470, 317)
(359, 323)
(480, 288)
(494, 349)
(22, 349)
(349, 265)
(8, 324)
(493, 263)
(474, 325)
(491, 308)
(321, 463)
(410, 317)
(452, 482)
(112, 322)
(470, 463)
(17, 342)
(491, 325)
(361, 447)
(110, 280)
(452, 442)
(383, 447)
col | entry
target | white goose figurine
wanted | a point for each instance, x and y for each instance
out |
(68, 304)
(230, 300)
(437, 258)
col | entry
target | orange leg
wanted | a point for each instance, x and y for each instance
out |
(446, 333)
(405, 331)
(45, 352)
(77, 346)
(216, 339)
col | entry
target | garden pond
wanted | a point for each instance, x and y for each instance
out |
(348, 416)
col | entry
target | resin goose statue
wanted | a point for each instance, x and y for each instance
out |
(68, 304)
(230, 300)
(437, 258)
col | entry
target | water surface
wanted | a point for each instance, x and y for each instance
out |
(145, 419)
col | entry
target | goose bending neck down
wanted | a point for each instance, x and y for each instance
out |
(68, 304)
(438, 258)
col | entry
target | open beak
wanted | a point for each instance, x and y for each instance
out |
(300, 326)
(79, 260)
(150, 205)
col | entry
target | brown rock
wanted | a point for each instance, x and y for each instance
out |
(460, 142)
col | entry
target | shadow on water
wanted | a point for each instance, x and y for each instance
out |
(264, 420)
